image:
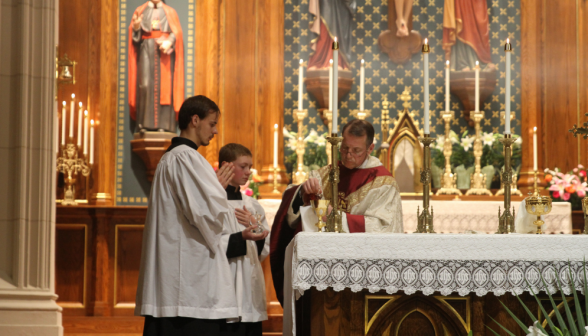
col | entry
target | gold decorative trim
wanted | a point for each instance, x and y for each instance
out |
(85, 278)
(560, 306)
(419, 311)
(357, 196)
(124, 305)
(468, 322)
(368, 324)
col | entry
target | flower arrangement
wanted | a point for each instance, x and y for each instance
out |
(570, 187)
(251, 188)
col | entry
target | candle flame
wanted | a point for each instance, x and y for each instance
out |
(535, 129)
(447, 62)
(85, 113)
(80, 104)
(331, 61)
(477, 63)
(335, 38)
(301, 61)
(73, 96)
(426, 40)
(362, 61)
(507, 40)
(64, 103)
(92, 122)
(275, 126)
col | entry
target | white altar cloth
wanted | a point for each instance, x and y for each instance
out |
(428, 263)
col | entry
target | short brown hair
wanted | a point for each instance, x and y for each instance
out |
(231, 152)
(199, 105)
(360, 128)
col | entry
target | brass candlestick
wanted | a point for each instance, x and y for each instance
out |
(69, 164)
(538, 205)
(334, 223)
(449, 180)
(329, 115)
(275, 170)
(361, 115)
(425, 219)
(478, 179)
(584, 132)
(506, 219)
(385, 129)
(513, 186)
(300, 176)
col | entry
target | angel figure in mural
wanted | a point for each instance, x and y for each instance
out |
(156, 67)
(333, 18)
(466, 34)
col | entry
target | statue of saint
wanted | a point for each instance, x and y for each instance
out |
(466, 34)
(156, 67)
(333, 18)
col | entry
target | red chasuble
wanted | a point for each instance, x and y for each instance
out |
(354, 185)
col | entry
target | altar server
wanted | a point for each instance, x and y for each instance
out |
(368, 196)
(185, 282)
(246, 259)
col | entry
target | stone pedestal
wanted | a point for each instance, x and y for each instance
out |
(317, 83)
(151, 146)
(463, 85)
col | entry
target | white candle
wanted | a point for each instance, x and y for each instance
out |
(56, 129)
(361, 86)
(426, 84)
(80, 126)
(63, 124)
(535, 149)
(300, 73)
(335, 94)
(477, 86)
(276, 146)
(447, 86)
(331, 85)
(508, 49)
(71, 116)
(92, 141)
(85, 133)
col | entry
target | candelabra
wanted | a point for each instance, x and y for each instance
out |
(334, 218)
(584, 132)
(361, 115)
(300, 175)
(513, 186)
(448, 185)
(538, 205)
(506, 219)
(478, 179)
(70, 165)
(425, 219)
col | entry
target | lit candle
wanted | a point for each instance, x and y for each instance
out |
(507, 49)
(477, 86)
(426, 84)
(447, 86)
(276, 146)
(535, 149)
(331, 85)
(86, 133)
(80, 126)
(361, 85)
(56, 129)
(335, 93)
(71, 116)
(63, 124)
(300, 73)
(92, 141)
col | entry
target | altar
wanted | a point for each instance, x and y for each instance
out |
(381, 284)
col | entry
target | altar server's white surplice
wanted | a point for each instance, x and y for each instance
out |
(184, 270)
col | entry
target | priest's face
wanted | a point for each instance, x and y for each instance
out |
(242, 170)
(206, 128)
(354, 150)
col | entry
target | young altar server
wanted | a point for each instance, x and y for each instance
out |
(246, 263)
(186, 286)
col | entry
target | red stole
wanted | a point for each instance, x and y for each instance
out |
(166, 83)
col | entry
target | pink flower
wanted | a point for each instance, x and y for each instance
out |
(575, 170)
(556, 194)
(566, 196)
(580, 166)
(249, 192)
(581, 192)
(582, 173)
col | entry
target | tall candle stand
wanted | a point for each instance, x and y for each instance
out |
(538, 205)
(584, 132)
(425, 219)
(449, 180)
(70, 165)
(385, 129)
(334, 221)
(506, 219)
(300, 176)
(361, 115)
(513, 186)
(329, 115)
(478, 179)
(275, 170)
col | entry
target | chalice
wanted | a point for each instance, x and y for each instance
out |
(259, 228)
(538, 205)
(320, 209)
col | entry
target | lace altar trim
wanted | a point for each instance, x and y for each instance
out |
(430, 276)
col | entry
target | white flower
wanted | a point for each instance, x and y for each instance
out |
(466, 143)
(292, 143)
(311, 137)
(488, 138)
(287, 134)
(519, 141)
(453, 137)
(534, 331)
(440, 142)
(321, 141)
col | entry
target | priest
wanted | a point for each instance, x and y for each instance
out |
(368, 196)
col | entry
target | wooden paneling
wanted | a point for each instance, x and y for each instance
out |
(127, 258)
(582, 75)
(70, 265)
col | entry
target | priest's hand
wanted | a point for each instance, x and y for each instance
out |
(310, 187)
(329, 209)
(249, 235)
(137, 21)
(225, 173)
(244, 217)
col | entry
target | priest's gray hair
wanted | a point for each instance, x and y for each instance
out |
(197, 105)
(360, 128)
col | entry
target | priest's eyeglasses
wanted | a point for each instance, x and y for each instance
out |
(354, 152)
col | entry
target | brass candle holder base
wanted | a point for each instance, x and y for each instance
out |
(70, 165)
(538, 205)
(425, 218)
(334, 219)
(506, 219)
(361, 115)
(448, 179)
(478, 179)
(276, 170)
(328, 114)
(300, 175)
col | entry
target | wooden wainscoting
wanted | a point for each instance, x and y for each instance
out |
(98, 253)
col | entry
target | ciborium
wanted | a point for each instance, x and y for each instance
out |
(320, 209)
(538, 205)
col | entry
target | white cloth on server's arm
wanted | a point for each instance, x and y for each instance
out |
(184, 271)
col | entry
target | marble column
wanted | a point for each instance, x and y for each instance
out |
(27, 168)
